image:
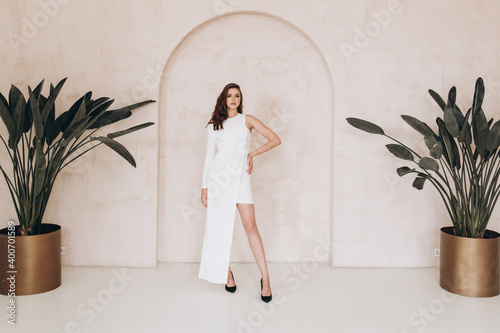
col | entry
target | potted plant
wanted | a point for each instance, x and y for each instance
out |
(464, 167)
(40, 146)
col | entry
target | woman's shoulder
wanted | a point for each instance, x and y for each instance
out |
(251, 119)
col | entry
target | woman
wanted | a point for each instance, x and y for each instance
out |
(226, 185)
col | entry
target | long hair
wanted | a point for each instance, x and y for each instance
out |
(220, 110)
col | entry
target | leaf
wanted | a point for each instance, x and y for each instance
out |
(400, 152)
(465, 133)
(113, 116)
(437, 98)
(130, 130)
(428, 163)
(66, 117)
(98, 106)
(110, 117)
(459, 116)
(51, 126)
(4, 101)
(37, 118)
(436, 151)
(31, 153)
(52, 130)
(14, 95)
(493, 138)
(74, 131)
(452, 96)
(80, 114)
(77, 129)
(430, 141)
(9, 122)
(467, 137)
(480, 130)
(117, 147)
(365, 126)
(55, 161)
(478, 95)
(419, 126)
(40, 166)
(404, 171)
(38, 89)
(50, 101)
(28, 117)
(19, 119)
(88, 97)
(450, 146)
(451, 122)
(418, 183)
(435, 147)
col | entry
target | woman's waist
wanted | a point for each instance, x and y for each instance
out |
(229, 154)
(241, 149)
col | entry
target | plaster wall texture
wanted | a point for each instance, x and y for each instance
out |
(318, 61)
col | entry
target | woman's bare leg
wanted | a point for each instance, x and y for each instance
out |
(247, 214)
(230, 280)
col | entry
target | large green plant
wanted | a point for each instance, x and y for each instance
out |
(464, 162)
(41, 145)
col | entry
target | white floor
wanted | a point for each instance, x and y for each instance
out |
(306, 298)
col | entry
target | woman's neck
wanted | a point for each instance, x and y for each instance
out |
(232, 113)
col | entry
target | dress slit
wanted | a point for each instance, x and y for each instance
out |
(223, 177)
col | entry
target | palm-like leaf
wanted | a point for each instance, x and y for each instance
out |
(468, 149)
(41, 145)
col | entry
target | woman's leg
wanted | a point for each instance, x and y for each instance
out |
(230, 280)
(247, 214)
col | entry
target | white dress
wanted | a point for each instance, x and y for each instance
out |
(227, 183)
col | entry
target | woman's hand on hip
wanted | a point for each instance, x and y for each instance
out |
(250, 164)
(204, 194)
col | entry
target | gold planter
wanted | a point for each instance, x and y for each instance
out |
(470, 266)
(36, 261)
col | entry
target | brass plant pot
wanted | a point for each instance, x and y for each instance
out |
(37, 265)
(470, 266)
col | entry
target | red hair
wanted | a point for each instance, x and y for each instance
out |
(220, 110)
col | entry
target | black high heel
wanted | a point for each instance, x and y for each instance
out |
(231, 289)
(266, 299)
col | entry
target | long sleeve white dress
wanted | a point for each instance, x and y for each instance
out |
(227, 183)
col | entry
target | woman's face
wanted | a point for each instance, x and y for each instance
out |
(233, 99)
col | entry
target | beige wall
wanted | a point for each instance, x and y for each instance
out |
(321, 61)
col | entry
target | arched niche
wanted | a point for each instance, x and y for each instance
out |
(288, 86)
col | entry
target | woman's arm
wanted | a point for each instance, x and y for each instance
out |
(274, 140)
(211, 144)
(211, 136)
